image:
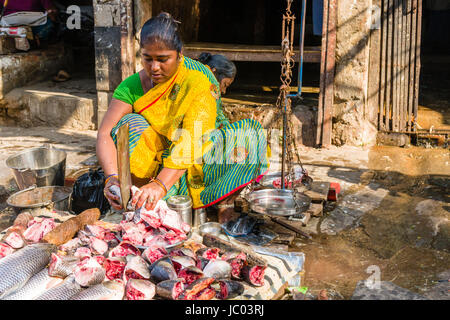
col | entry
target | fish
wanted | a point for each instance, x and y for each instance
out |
(82, 252)
(229, 289)
(115, 267)
(96, 231)
(15, 240)
(70, 246)
(254, 275)
(139, 289)
(89, 272)
(124, 249)
(201, 263)
(35, 286)
(108, 290)
(162, 270)
(136, 268)
(232, 254)
(183, 252)
(98, 246)
(170, 289)
(5, 250)
(180, 262)
(152, 254)
(62, 266)
(190, 274)
(217, 269)
(17, 268)
(67, 289)
(209, 253)
(36, 231)
(199, 290)
(84, 237)
(236, 267)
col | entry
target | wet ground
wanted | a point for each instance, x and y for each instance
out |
(407, 236)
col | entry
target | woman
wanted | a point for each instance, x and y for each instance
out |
(172, 108)
(223, 69)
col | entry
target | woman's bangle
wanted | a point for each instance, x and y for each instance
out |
(159, 182)
(165, 188)
(109, 177)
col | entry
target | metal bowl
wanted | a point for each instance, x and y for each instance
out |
(37, 197)
(278, 202)
(213, 228)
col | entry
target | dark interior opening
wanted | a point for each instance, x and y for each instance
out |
(434, 85)
(258, 22)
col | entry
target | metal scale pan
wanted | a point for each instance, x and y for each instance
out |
(278, 202)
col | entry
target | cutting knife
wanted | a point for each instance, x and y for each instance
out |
(123, 164)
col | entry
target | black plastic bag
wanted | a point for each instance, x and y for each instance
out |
(88, 192)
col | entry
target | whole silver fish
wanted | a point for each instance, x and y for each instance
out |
(108, 290)
(64, 291)
(17, 268)
(37, 285)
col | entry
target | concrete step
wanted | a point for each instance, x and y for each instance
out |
(20, 69)
(71, 104)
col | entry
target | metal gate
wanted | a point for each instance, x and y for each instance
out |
(397, 49)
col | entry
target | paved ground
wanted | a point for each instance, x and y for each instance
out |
(392, 215)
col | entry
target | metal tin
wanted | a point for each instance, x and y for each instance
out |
(39, 166)
(182, 205)
(278, 202)
(199, 217)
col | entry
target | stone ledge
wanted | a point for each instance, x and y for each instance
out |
(44, 105)
(19, 69)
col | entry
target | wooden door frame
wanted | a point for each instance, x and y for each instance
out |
(327, 70)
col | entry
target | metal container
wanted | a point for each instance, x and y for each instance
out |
(182, 205)
(39, 166)
(278, 202)
(54, 197)
(199, 217)
(213, 228)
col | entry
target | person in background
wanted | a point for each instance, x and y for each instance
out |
(11, 16)
(223, 69)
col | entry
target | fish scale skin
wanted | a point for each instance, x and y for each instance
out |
(65, 266)
(37, 285)
(108, 290)
(64, 291)
(17, 268)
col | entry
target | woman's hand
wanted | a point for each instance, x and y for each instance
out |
(113, 200)
(151, 193)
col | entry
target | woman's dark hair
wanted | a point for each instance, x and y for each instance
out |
(162, 28)
(224, 67)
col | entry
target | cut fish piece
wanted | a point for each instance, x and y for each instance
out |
(138, 289)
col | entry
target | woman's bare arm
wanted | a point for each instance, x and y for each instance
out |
(106, 149)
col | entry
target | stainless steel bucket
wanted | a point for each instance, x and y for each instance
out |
(39, 166)
(53, 197)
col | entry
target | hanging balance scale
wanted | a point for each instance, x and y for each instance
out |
(287, 201)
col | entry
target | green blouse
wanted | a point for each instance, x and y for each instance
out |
(130, 90)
